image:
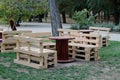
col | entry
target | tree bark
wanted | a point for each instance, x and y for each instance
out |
(64, 17)
(55, 17)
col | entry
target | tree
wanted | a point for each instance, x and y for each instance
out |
(65, 6)
(55, 17)
(22, 8)
(80, 17)
(69, 6)
(108, 6)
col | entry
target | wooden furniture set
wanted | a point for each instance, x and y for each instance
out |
(30, 55)
(36, 49)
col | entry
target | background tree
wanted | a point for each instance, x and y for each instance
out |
(65, 7)
(22, 8)
(107, 6)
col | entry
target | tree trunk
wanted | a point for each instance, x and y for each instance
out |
(116, 13)
(106, 16)
(64, 17)
(30, 18)
(55, 17)
(18, 21)
(116, 18)
(12, 24)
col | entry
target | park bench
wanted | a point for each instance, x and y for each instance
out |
(8, 43)
(45, 35)
(85, 46)
(104, 32)
(36, 57)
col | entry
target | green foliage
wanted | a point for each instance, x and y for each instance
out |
(17, 8)
(81, 18)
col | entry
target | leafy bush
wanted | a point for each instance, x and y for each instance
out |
(81, 18)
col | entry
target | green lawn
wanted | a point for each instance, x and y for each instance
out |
(107, 68)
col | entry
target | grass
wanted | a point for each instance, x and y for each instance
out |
(107, 68)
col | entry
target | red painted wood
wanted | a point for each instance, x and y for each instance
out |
(62, 48)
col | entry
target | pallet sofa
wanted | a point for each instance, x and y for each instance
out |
(36, 57)
(104, 32)
(84, 46)
(48, 44)
(8, 43)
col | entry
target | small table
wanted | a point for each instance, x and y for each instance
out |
(86, 31)
(62, 48)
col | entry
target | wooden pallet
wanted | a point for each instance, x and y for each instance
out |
(36, 57)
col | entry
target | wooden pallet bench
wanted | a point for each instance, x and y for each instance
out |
(104, 32)
(48, 44)
(85, 46)
(8, 43)
(36, 57)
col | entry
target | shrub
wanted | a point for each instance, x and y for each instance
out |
(82, 18)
